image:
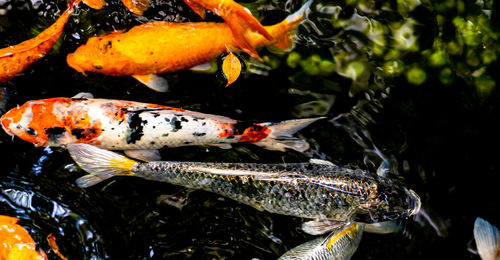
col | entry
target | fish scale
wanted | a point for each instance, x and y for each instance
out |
(307, 190)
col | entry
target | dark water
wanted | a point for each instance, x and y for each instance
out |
(405, 84)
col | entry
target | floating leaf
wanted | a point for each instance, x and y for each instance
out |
(231, 67)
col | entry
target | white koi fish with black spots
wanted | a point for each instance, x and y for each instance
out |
(139, 127)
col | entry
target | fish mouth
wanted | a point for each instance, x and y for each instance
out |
(5, 128)
(414, 203)
(70, 59)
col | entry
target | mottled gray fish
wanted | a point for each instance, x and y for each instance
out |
(309, 190)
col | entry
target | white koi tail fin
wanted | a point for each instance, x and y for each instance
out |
(101, 164)
(281, 137)
(487, 239)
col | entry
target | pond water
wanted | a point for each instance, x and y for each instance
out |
(409, 85)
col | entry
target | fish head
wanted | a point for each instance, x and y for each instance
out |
(90, 57)
(391, 201)
(35, 122)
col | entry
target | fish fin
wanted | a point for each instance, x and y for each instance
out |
(144, 155)
(321, 161)
(285, 42)
(153, 82)
(294, 19)
(101, 164)
(280, 137)
(348, 233)
(238, 18)
(487, 239)
(385, 227)
(8, 219)
(222, 146)
(83, 95)
(321, 226)
(95, 4)
(198, 9)
(207, 66)
(136, 6)
(231, 67)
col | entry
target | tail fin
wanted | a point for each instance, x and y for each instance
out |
(95, 4)
(487, 239)
(281, 137)
(136, 6)
(291, 22)
(101, 164)
(299, 14)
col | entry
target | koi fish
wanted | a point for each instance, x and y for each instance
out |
(487, 239)
(15, 59)
(128, 125)
(237, 17)
(316, 190)
(15, 241)
(170, 47)
(341, 244)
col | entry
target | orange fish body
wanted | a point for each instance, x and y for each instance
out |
(15, 59)
(162, 47)
(15, 242)
(236, 16)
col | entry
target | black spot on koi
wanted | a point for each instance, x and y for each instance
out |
(176, 124)
(136, 125)
(54, 132)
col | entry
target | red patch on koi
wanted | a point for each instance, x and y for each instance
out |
(251, 134)
(254, 134)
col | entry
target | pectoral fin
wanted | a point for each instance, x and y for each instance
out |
(222, 146)
(144, 155)
(83, 95)
(321, 226)
(321, 161)
(153, 82)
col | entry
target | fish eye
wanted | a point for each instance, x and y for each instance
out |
(31, 131)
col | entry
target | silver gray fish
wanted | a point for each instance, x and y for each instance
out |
(309, 190)
(339, 245)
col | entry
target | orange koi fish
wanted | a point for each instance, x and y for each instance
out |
(129, 126)
(15, 242)
(162, 47)
(15, 59)
(238, 18)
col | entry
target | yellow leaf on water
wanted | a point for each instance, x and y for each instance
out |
(231, 67)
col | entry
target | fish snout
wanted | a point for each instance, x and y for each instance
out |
(74, 63)
(5, 122)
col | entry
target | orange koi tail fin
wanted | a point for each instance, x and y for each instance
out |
(136, 6)
(284, 31)
(95, 4)
(237, 17)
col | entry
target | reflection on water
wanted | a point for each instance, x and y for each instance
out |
(409, 89)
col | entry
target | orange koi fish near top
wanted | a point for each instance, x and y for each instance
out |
(238, 18)
(15, 59)
(162, 47)
(15, 242)
(140, 128)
